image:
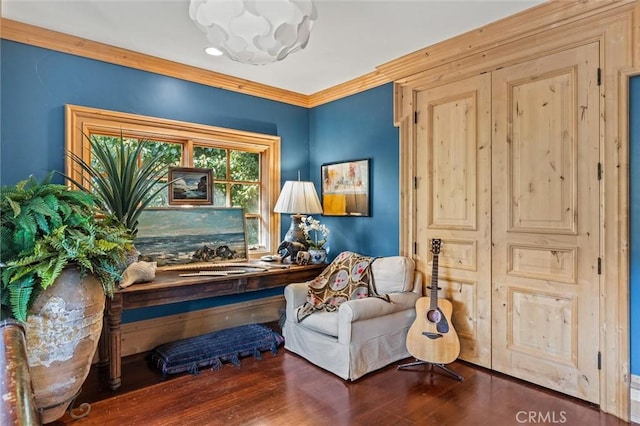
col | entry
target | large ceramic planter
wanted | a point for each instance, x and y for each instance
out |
(63, 329)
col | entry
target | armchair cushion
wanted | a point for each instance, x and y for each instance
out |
(393, 274)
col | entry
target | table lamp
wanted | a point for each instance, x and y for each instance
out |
(298, 198)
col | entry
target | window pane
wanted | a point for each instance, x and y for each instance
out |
(247, 196)
(219, 194)
(110, 142)
(245, 166)
(253, 231)
(211, 158)
(162, 198)
(171, 153)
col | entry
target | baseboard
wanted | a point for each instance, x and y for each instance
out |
(635, 399)
(142, 336)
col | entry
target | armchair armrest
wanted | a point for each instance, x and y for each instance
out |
(357, 311)
(371, 307)
(295, 295)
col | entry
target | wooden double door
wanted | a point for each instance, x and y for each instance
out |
(507, 175)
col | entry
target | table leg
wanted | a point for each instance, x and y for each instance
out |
(103, 343)
(114, 318)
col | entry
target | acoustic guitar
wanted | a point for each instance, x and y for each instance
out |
(431, 337)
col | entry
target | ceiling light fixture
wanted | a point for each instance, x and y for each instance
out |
(255, 32)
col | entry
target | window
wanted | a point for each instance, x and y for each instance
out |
(246, 166)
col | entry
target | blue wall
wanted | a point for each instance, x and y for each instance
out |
(634, 225)
(37, 83)
(353, 128)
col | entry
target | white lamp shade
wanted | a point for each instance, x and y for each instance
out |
(298, 197)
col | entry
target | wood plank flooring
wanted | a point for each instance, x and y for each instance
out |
(287, 390)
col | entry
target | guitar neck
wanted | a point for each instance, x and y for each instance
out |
(433, 304)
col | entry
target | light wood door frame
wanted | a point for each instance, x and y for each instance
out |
(551, 27)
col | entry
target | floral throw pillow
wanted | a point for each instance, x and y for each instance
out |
(348, 277)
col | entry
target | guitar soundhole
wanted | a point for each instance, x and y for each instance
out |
(434, 316)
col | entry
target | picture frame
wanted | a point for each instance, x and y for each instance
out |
(181, 235)
(345, 188)
(191, 186)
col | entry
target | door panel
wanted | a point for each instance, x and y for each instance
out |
(453, 148)
(542, 154)
(545, 228)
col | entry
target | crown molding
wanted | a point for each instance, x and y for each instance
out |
(53, 40)
(524, 24)
(360, 84)
(41, 37)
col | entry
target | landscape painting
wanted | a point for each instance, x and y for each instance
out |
(190, 185)
(178, 235)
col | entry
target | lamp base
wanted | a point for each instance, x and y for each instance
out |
(295, 234)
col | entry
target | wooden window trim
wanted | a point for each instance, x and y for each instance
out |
(80, 121)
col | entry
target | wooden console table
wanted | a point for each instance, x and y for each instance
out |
(170, 287)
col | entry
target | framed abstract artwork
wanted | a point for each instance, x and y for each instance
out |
(345, 188)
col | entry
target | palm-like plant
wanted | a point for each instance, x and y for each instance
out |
(122, 180)
(44, 228)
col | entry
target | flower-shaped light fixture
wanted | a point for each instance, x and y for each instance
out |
(255, 32)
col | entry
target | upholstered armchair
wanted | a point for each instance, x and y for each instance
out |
(362, 335)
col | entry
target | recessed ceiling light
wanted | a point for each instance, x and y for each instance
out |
(213, 51)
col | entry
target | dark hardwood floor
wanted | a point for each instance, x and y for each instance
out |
(287, 390)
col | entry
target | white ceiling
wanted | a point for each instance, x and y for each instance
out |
(349, 38)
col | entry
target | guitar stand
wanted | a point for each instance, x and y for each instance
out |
(442, 367)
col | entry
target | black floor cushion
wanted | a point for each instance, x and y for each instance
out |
(213, 349)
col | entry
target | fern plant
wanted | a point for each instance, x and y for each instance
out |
(123, 184)
(45, 227)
